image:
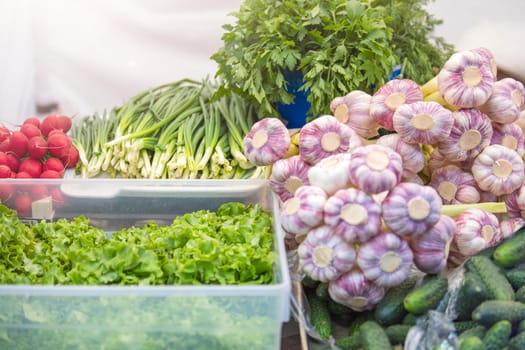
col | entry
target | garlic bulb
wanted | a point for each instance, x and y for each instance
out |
(353, 214)
(323, 137)
(476, 229)
(515, 203)
(331, 173)
(466, 80)
(437, 161)
(423, 122)
(489, 56)
(504, 105)
(389, 97)
(352, 289)
(267, 141)
(304, 210)
(509, 135)
(454, 185)
(414, 178)
(375, 168)
(498, 170)
(324, 256)
(509, 226)
(410, 209)
(288, 174)
(411, 154)
(385, 259)
(431, 249)
(353, 110)
(471, 133)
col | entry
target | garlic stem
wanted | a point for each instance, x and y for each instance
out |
(454, 210)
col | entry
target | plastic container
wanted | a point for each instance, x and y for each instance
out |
(147, 317)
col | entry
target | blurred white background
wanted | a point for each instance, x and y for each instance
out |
(91, 55)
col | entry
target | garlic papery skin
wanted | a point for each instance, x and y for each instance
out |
(323, 137)
(304, 210)
(432, 248)
(267, 141)
(504, 105)
(470, 134)
(331, 173)
(437, 161)
(498, 170)
(466, 80)
(489, 56)
(515, 203)
(410, 210)
(509, 226)
(324, 256)
(389, 97)
(411, 154)
(288, 174)
(353, 110)
(423, 122)
(352, 289)
(354, 215)
(455, 186)
(509, 135)
(476, 229)
(375, 168)
(385, 259)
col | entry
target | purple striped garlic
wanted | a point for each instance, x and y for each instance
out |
(411, 154)
(436, 161)
(498, 170)
(466, 80)
(389, 97)
(331, 173)
(455, 185)
(476, 229)
(352, 289)
(267, 142)
(304, 210)
(470, 134)
(431, 249)
(506, 101)
(323, 137)
(425, 122)
(375, 168)
(410, 210)
(353, 110)
(515, 203)
(489, 56)
(353, 214)
(385, 259)
(324, 256)
(288, 174)
(509, 226)
(509, 135)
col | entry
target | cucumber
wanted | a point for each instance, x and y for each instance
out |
(426, 296)
(390, 310)
(471, 343)
(319, 315)
(511, 251)
(322, 291)
(520, 295)
(336, 308)
(498, 286)
(516, 276)
(359, 320)
(471, 293)
(521, 326)
(462, 326)
(491, 311)
(477, 331)
(349, 342)
(373, 336)
(309, 282)
(397, 333)
(498, 335)
(517, 342)
(409, 319)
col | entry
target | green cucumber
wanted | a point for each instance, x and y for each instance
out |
(520, 295)
(498, 286)
(410, 319)
(471, 343)
(516, 276)
(462, 326)
(511, 251)
(427, 295)
(517, 342)
(349, 342)
(390, 310)
(361, 318)
(471, 293)
(498, 335)
(373, 336)
(336, 308)
(491, 311)
(322, 291)
(476, 331)
(319, 315)
(397, 333)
